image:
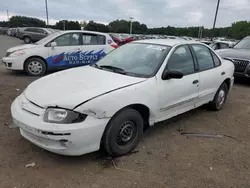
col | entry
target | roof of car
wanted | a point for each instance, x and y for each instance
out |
(168, 42)
(93, 32)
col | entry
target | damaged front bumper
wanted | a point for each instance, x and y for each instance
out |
(66, 139)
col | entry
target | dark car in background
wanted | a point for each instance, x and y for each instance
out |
(33, 34)
(240, 56)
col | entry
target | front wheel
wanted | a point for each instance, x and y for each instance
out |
(219, 98)
(35, 67)
(123, 132)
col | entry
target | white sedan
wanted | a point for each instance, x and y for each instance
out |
(60, 50)
(110, 103)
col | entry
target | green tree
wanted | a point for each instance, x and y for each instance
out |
(93, 26)
(22, 21)
(69, 25)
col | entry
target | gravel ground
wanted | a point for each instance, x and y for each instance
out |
(165, 158)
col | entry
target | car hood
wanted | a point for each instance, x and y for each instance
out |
(21, 47)
(69, 88)
(234, 53)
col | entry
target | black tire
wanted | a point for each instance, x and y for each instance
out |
(38, 70)
(217, 103)
(118, 129)
(27, 39)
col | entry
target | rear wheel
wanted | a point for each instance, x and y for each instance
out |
(27, 39)
(123, 132)
(219, 98)
(35, 67)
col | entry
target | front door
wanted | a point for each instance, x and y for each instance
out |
(66, 53)
(179, 95)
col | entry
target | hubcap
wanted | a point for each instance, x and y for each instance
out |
(35, 67)
(126, 133)
(221, 97)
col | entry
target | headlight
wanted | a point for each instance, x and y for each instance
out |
(63, 116)
(17, 53)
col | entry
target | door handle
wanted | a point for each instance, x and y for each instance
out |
(195, 81)
(223, 73)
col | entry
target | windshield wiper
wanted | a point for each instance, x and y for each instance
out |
(114, 69)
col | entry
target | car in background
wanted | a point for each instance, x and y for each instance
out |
(60, 50)
(4, 30)
(12, 32)
(240, 56)
(116, 38)
(216, 45)
(207, 42)
(33, 34)
(110, 103)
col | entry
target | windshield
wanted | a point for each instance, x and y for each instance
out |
(136, 59)
(244, 43)
(48, 38)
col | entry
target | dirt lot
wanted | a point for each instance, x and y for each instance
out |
(164, 158)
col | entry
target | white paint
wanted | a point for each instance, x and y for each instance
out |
(105, 93)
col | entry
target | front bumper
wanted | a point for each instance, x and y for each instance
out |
(13, 63)
(65, 139)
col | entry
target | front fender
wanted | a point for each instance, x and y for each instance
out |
(107, 105)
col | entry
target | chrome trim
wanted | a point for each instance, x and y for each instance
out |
(178, 104)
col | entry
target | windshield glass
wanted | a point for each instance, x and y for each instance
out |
(244, 43)
(136, 59)
(48, 38)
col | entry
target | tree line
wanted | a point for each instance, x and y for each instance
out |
(237, 30)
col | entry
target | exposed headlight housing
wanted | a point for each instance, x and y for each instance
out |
(17, 53)
(63, 116)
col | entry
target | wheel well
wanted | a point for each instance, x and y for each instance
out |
(227, 82)
(144, 111)
(26, 36)
(34, 57)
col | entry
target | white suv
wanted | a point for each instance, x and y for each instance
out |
(75, 111)
(60, 50)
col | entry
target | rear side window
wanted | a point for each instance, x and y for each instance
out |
(93, 39)
(203, 56)
(216, 59)
(30, 29)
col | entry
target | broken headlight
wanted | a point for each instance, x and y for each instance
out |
(63, 116)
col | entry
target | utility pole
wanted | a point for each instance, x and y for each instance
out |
(215, 17)
(64, 25)
(131, 22)
(47, 14)
(8, 15)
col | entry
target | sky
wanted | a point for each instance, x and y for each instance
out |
(154, 13)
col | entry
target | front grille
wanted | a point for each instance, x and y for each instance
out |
(240, 65)
(7, 54)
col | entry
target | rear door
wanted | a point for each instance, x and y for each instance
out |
(67, 53)
(211, 73)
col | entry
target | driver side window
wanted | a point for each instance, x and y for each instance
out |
(182, 60)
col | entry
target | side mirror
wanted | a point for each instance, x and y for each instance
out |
(172, 74)
(53, 45)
